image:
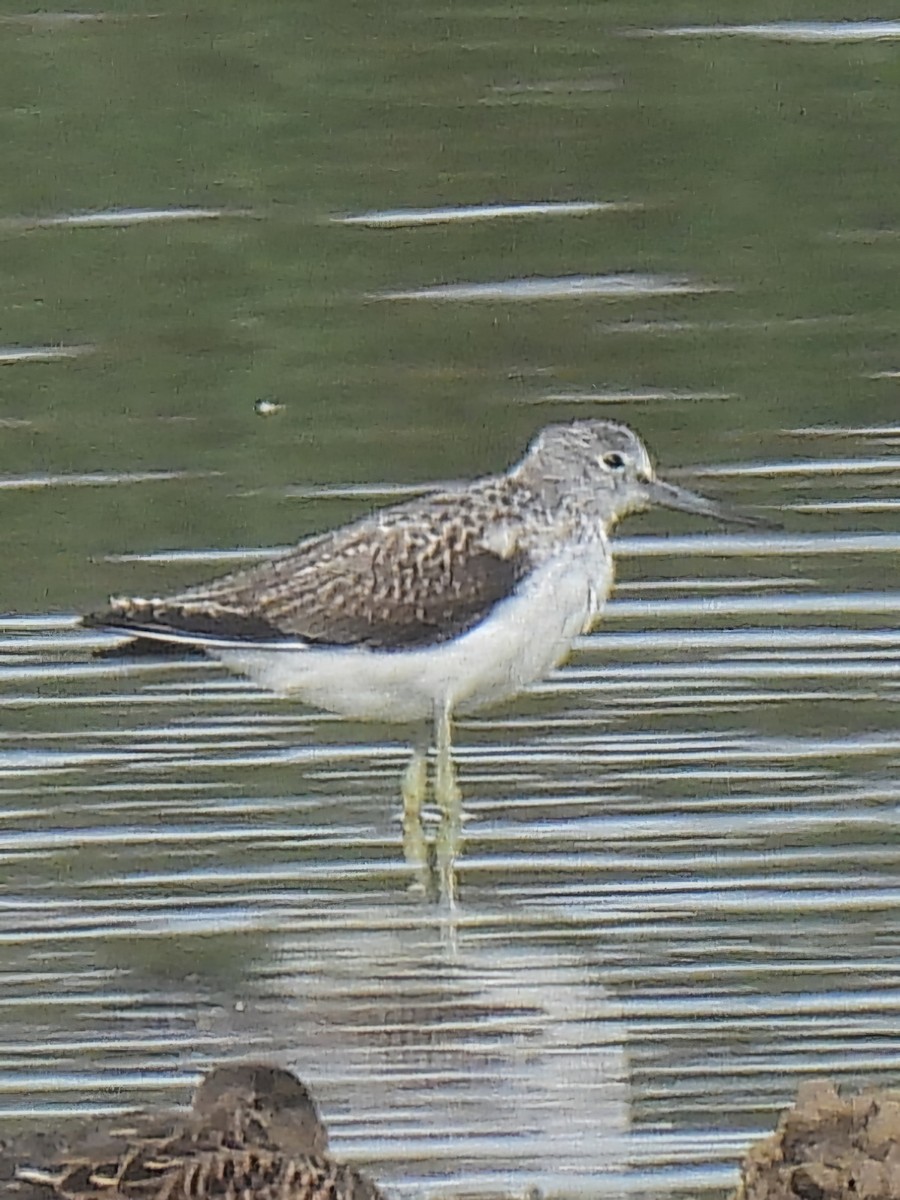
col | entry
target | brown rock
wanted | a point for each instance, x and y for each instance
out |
(828, 1148)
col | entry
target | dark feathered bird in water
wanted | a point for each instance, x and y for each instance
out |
(253, 1133)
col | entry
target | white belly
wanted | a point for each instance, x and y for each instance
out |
(521, 641)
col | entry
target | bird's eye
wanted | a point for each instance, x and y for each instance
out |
(614, 460)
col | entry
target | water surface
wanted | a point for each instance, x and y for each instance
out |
(678, 893)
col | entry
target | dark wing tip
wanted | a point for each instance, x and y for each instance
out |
(162, 617)
(123, 612)
(98, 620)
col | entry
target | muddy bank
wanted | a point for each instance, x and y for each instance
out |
(828, 1148)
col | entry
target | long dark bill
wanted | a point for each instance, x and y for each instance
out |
(667, 495)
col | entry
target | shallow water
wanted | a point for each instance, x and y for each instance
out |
(678, 891)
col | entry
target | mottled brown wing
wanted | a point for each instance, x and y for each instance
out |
(412, 576)
(266, 1177)
(227, 1174)
(88, 1162)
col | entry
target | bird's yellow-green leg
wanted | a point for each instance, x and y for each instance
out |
(413, 787)
(448, 842)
